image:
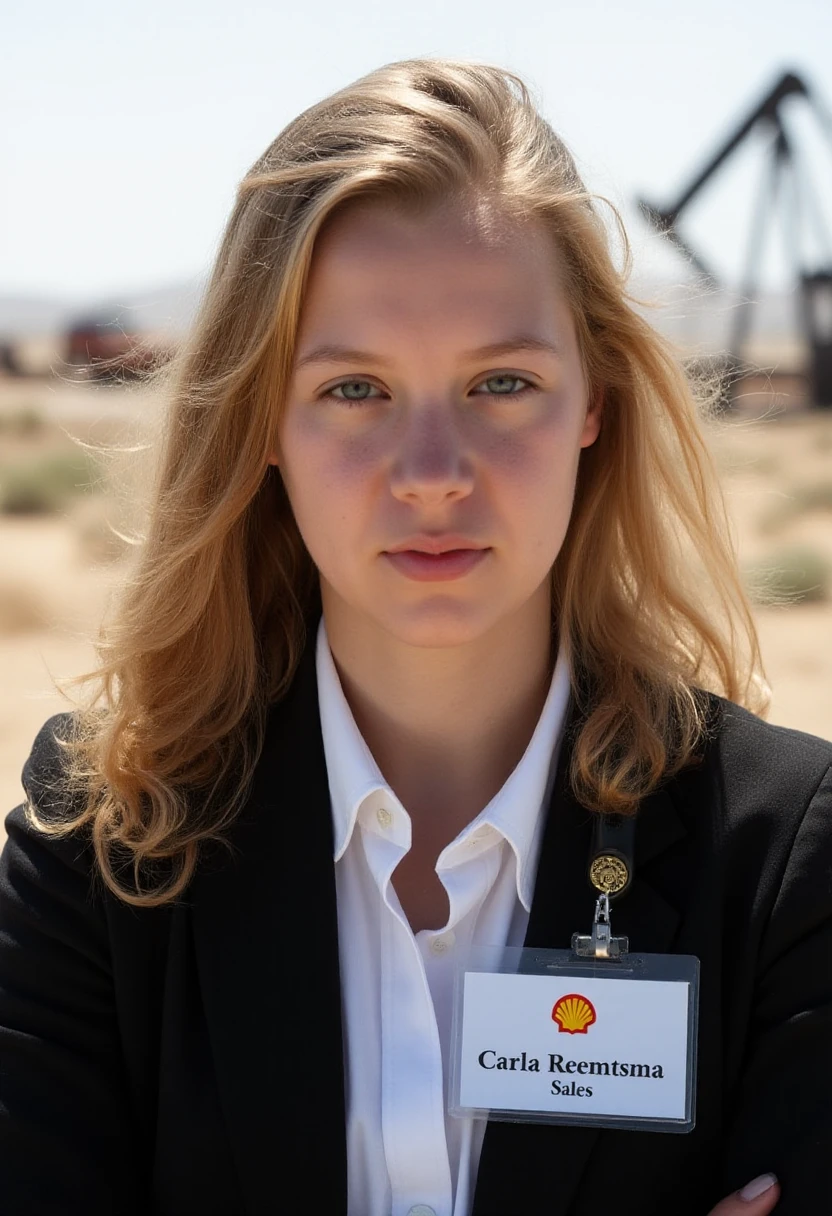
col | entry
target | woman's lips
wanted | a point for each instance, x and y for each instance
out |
(433, 567)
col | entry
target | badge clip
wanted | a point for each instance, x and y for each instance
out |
(600, 943)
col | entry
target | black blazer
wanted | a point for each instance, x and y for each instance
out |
(187, 1060)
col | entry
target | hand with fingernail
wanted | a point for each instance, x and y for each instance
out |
(757, 1198)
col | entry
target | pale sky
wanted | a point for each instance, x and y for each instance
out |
(126, 127)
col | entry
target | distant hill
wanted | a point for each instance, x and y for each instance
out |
(693, 316)
(31, 316)
(165, 310)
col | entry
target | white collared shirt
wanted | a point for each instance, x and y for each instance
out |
(405, 1155)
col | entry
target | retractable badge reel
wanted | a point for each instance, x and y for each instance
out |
(591, 1036)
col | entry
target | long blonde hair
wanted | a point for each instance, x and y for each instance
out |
(214, 620)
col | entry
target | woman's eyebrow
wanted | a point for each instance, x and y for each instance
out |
(332, 353)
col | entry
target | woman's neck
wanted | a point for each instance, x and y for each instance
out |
(445, 726)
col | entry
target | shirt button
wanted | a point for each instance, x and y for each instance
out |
(384, 817)
(441, 945)
(421, 1209)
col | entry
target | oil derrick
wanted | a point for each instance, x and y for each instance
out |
(785, 185)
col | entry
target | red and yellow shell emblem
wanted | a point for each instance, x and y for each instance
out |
(573, 1013)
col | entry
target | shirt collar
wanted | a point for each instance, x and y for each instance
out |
(518, 810)
(352, 771)
(514, 811)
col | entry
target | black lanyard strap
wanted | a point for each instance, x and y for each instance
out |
(611, 861)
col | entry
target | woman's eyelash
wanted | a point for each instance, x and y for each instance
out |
(330, 392)
(527, 384)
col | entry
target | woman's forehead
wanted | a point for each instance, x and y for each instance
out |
(396, 272)
(385, 227)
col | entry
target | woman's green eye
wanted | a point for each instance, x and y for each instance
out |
(361, 390)
(504, 384)
(349, 385)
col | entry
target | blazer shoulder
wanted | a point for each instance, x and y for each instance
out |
(762, 771)
(44, 773)
(48, 791)
(737, 732)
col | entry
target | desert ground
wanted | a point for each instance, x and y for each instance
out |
(60, 564)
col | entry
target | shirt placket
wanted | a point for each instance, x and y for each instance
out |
(413, 1116)
(469, 871)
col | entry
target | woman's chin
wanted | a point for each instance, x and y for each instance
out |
(437, 627)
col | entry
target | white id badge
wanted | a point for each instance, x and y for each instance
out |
(541, 1036)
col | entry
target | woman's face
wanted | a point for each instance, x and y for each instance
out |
(437, 401)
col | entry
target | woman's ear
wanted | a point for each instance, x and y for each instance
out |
(594, 415)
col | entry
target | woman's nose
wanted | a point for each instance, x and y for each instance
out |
(431, 463)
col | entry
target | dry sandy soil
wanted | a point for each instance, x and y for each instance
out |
(57, 572)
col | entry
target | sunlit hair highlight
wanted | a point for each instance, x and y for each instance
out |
(211, 626)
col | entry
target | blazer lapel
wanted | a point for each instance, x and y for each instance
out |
(536, 1168)
(266, 939)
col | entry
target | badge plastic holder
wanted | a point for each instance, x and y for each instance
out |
(566, 970)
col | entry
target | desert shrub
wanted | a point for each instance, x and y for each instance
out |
(44, 486)
(25, 421)
(800, 500)
(790, 576)
(817, 497)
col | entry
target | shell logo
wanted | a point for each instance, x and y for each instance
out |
(573, 1013)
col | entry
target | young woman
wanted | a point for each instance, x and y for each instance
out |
(436, 579)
